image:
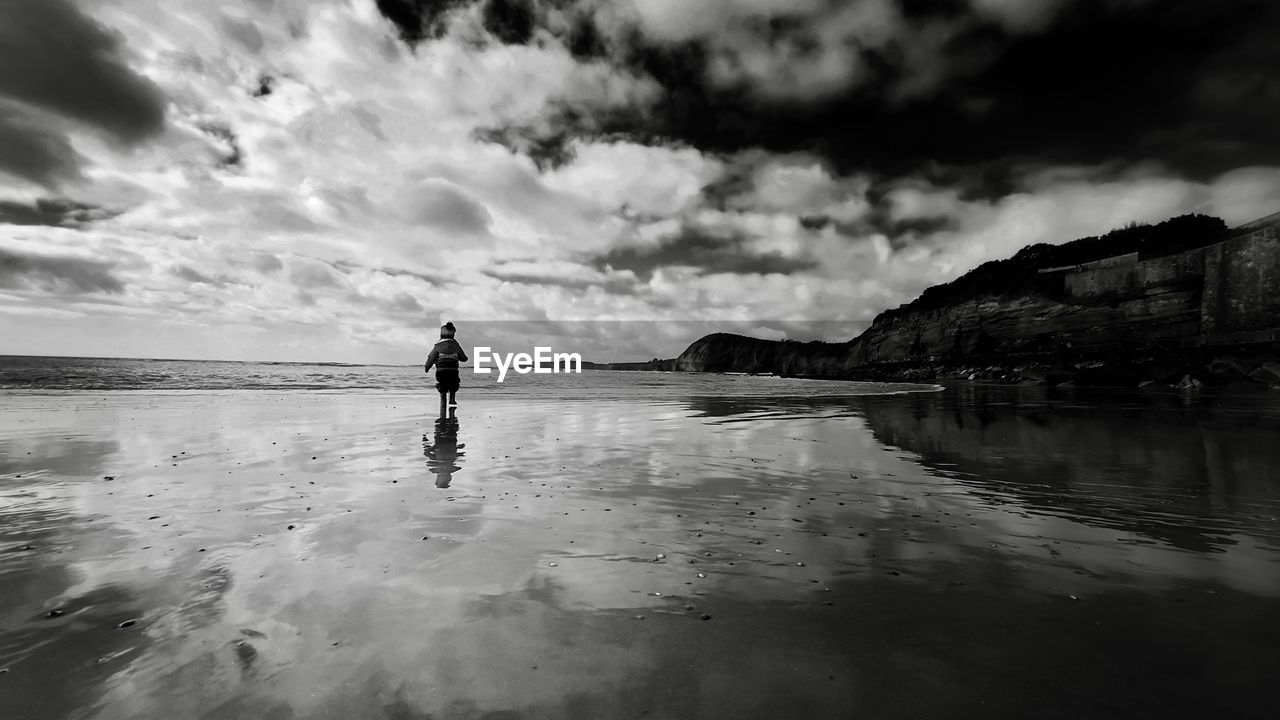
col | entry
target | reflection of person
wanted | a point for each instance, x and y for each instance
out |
(443, 451)
(447, 356)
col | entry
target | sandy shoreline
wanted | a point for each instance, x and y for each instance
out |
(342, 555)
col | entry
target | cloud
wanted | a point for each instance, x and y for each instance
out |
(418, 20)
(441, 205)
(403, 303)
(57, 62)
(312, 274)
(567, 275)
(547, 147)
(789, 54)
(643, 179)
(34, 151)
(617, 287)
(54, 56)
(195, 276)
(265, 263)
(702, 249)
(1242, 195)
(58, 275)
(228, 142)
(510, 21)
(875, 86)
(427, 279)
(795, 184)
(1019, 15)
(54, 212)
(247, 34)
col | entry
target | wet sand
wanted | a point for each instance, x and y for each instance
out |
(971, 553)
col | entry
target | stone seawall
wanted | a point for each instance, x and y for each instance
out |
(1242, 284)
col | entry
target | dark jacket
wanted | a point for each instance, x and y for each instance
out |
(446, 355)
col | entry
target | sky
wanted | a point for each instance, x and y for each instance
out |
(331, 180)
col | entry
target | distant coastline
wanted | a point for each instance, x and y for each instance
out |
(656, 364)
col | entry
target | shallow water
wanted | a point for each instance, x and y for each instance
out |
(76, 375)
(973, 552)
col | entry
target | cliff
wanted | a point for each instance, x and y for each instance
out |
(1169, 290)
(723, 352)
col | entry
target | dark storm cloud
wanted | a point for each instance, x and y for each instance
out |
(63, 275)
(54, 60)
(52, 212)
(585, 41)
(511, 21)
(698, 248)
(954, 95)
(35, 152)
(55, 57)
(1235, 99)
(419, 20)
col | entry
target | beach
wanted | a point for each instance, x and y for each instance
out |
(953, 552)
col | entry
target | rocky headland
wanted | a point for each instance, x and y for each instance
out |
(1187, 303)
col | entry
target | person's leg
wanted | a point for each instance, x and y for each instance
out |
(443, 404)
(447, 382)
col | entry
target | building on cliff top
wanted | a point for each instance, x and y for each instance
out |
(1234, 287)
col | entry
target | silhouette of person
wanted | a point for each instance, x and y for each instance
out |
(447, 355)
(442, 450)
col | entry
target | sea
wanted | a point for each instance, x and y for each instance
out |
(34, 373)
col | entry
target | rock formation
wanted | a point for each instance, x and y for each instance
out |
(1185, 292)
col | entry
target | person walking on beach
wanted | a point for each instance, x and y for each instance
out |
(446, 356)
